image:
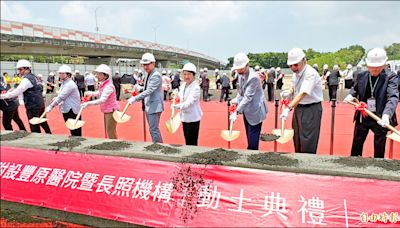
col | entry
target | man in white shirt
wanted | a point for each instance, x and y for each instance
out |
(32, 91)
(68, 98)
(348, 77)
(90, 81)
(307, 91)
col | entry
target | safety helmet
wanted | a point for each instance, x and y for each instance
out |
(51, 73)
(23, 63)
(64, 69)
(189, 67)
(376, 57)
(103, 68)
(295, 56)
(325, 67)
(349, 66)
(240, 61)
(278, 69)
(335, 67)
(147, 58)
(216, 70)
(257, 68)
(164, 72)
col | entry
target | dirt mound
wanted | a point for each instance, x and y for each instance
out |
(68, 143)
(14, 135)
(276, 159)
(216, 157)
(164, 149)
(116, 145)
(390, 165)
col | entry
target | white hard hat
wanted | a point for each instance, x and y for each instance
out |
(64, 69)
(136, 70)
(224, 74)
(315, 65)
(116, 72)
(376, 57)
(295, 56)
(359, 66)
(51, 73)
(262, 70)
(336, 67)
(103, 68)
(140, 71)
(257, 67)
(39, 75)
(278, 69)
(23, 63)
(169, 71)
(76, 71)
(205, 69)
(164, 72)
(240, 61)
(201, 70)
(179, 70)
(325, 67)
(349, 66)
(216, 70)
(147, 58)
(189, 67)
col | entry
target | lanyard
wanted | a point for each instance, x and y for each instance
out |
(372, 87)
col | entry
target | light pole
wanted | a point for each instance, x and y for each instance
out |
(95, 17)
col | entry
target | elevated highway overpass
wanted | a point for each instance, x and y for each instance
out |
(33, 39)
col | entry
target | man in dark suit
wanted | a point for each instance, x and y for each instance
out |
(333, 82)
(378, 88)
(80, 82)
(117, 84)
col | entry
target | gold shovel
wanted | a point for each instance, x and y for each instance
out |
(121, 117)
(38, 120)
(285, 135)
(174, 122)
(230, 135)
(73, 124)
(395, 136)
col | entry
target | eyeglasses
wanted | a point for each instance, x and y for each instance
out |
(294, 65)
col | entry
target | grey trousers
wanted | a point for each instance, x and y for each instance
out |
(306, 125)
(154, 121)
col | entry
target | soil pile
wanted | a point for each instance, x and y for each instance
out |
(163, 149)
(390, 165)
(14, 135)
(68, 143)
(268, 137)
(276, 159)
(116, 145)
(216, 157)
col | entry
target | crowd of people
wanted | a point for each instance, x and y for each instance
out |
(378, 87)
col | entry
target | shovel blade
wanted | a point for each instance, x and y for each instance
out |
(173, 124)
(72, 124)
(37, 120)
(394, 137)
(286, 137)
(117, 115)
(230, 136)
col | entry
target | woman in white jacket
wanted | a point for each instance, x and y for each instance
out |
(189, 96)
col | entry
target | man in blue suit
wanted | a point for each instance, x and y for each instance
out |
(250, 100)
(378, 88)
(152, 96)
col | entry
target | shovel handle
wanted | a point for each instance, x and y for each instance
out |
(79, 115)
(173, 103)
(230, 127)
(124, 111)
(375, 117)
(41, 117)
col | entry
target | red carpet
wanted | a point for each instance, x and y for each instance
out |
(214, 120)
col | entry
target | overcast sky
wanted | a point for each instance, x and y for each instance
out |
(223, 28)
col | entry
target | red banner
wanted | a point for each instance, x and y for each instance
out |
(157, 193)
